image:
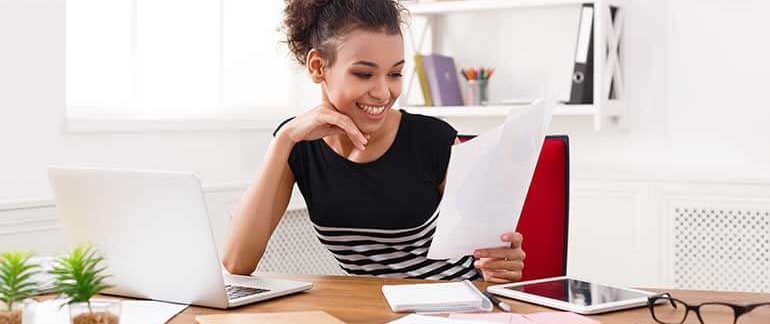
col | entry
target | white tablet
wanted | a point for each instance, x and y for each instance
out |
(574, 295)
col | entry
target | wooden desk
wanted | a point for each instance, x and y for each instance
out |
(360, 300)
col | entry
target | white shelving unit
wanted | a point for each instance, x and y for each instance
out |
(608, 57)
(495, 111)
(444, 7)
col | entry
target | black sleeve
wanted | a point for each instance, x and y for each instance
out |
(275, 132)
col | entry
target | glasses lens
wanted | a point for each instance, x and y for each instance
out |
(760, 314)
(669, 311)
(717, 314)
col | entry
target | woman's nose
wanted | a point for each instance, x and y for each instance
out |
(380, 91)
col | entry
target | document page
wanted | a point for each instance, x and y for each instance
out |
(487, 181)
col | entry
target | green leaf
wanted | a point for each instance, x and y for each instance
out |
(16, 277)
(80, 274)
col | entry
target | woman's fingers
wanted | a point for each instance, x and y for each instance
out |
(501, 253)
(499, 264)
(514, 238)
(502, 276)
(345, 123)
(491, 279)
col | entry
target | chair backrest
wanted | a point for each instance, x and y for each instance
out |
(545, 215)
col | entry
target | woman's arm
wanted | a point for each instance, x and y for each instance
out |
(264, 203)
(260, 210)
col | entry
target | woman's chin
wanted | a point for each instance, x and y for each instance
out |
(368, 123)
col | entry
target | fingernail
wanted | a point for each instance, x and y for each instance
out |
(506, 237)
(480, 254)
(476, 264)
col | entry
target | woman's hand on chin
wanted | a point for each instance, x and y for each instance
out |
(320, 122)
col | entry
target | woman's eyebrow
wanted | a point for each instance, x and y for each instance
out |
(374, 65)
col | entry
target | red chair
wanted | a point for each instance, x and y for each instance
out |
(545, 215)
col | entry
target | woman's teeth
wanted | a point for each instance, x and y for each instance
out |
(371, 110)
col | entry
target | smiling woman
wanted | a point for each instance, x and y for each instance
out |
(372, 176)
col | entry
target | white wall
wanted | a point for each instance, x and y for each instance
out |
(32, 104)
(696, 73)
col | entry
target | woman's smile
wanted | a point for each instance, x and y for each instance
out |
(375, 111)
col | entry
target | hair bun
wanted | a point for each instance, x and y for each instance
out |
(312, 24)
(300, 16)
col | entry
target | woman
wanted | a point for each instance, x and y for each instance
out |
(372, 177)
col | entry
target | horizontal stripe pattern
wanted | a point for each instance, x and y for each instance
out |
(398, 253)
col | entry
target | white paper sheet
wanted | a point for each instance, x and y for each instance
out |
(132, 312)
(487, 181)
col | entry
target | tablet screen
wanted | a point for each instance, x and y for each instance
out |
(578, 292)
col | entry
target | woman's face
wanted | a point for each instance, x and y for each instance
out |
(365, 79)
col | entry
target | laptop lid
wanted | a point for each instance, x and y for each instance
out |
(152, 227)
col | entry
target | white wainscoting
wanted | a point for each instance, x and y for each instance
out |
(33, 225)
(30, 225)
(667, 233)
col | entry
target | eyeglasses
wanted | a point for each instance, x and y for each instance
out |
(668, 310)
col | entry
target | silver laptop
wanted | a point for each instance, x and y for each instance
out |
(153, 229)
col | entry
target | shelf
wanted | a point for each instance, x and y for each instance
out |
(609, 108)
(497, 111)
(446, 7)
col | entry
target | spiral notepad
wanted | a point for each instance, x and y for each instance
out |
(450, 297)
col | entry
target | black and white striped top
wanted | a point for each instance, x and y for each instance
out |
(397, 253)
(378, 218)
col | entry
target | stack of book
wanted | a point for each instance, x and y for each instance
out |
(438, 80)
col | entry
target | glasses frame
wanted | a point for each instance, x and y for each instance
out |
(738, 310)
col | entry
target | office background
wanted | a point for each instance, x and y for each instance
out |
(694, 149)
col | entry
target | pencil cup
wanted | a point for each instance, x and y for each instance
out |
(478, 95)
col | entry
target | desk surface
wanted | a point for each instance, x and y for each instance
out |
(360, 300)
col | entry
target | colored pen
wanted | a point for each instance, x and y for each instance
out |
(503, 306)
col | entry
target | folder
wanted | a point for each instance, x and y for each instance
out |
(442, 77)
(423, 76)
(582, 89)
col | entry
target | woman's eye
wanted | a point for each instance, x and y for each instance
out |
(396, 75)
(363, 75)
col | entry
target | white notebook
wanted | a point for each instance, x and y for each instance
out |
(450, 297)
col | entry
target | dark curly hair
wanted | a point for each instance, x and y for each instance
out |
(317, 24)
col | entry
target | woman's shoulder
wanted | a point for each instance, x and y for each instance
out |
(430, 127)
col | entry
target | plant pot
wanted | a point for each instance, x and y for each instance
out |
(97, 312)
(12, 317)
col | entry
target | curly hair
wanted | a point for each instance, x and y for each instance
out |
(317, 24)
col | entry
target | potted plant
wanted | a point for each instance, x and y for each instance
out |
(79, 276)
(16, 284)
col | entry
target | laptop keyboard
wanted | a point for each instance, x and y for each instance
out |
(234, 292)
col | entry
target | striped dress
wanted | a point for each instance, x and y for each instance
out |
(378, 218)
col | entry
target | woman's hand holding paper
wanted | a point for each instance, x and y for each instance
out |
(502, 264)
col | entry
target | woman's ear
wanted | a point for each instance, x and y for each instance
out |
(315, 65)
